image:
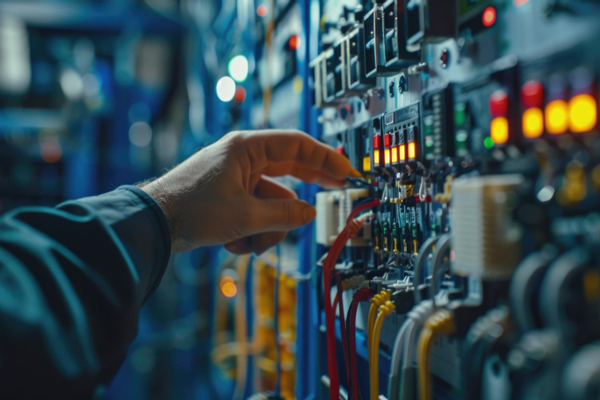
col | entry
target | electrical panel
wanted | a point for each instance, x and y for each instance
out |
(463, 265)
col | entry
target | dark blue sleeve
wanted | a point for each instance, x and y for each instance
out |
(72, 281)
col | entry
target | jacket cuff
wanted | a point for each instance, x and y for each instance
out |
(140, 225)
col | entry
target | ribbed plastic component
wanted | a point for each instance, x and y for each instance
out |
(486, 240)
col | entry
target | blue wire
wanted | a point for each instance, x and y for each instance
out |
(276, 318)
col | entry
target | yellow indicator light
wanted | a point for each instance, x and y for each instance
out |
(412, 150)
(386, 154)
(228, 287)
(556, 117)
(402, 152)
(394, 155)
(376, 157)
(583, 113)
(533, 123)
(499, 130)
(366, 163)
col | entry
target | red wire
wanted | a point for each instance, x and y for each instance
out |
(363, 294)
(340, 288)
(328, 266)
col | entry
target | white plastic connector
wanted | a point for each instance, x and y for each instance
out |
(327, 217)
(486, 240)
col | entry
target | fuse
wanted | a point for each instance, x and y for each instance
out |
(386, 227)
(376, 233)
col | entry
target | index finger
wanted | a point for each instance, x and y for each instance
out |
(296, 146)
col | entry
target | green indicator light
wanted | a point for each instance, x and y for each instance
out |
(459, 114)
(428, 141)
(488, 142)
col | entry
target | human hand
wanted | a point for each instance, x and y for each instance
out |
(224, 195)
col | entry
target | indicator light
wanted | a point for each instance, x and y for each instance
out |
(366, 164)
(294, 42)
(240, 94)
(412, 151)
(556, 117)
(583, 113)
(395, 155)
(238, 68)
(376, 157)
(225, 89)
(376, 140)
(460, 114)
(488, 17)
(499, 104)
(533, 123)
(519, 3)
(387, 140)
(488, 142)
(499, 130)
(386, 155)
(262, 10)
(402, 152)
(532, 94)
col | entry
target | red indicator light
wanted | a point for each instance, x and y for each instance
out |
(294, 42)
(340, 150)
(488, 17)
(532, 94)
(376, 140)
(499, 104)
(262, 10)
(240, 94)
(387, 140)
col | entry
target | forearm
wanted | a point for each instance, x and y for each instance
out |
(72, 282)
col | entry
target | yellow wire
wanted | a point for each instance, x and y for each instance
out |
(439, 324)
(384, 311)
(376, 301)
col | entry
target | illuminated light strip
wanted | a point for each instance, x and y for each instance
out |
(402, 151)
(412, 151)
(395, 155)
(376, 157)
(386, 155)
(366, 163)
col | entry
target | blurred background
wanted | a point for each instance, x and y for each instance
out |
(99, 93)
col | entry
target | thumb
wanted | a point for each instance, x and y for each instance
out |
(281, 215)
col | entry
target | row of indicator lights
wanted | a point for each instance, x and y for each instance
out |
(578, 115)
(391, 154)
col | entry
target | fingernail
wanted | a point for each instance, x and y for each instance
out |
(355, 174)
(308, 214)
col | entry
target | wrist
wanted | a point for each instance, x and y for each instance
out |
(154, 189)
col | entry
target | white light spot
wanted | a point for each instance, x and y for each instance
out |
(225, 89)
(140, 134)
(238, 68)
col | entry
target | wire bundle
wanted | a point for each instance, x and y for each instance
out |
(353, 226)
(360, 295)
(384, 311)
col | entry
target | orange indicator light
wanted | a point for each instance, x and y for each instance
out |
(394, 155)
(533, 123)
(583, 113)
(556, 117)
(386, 154)
(499, 130)
(412, 150)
